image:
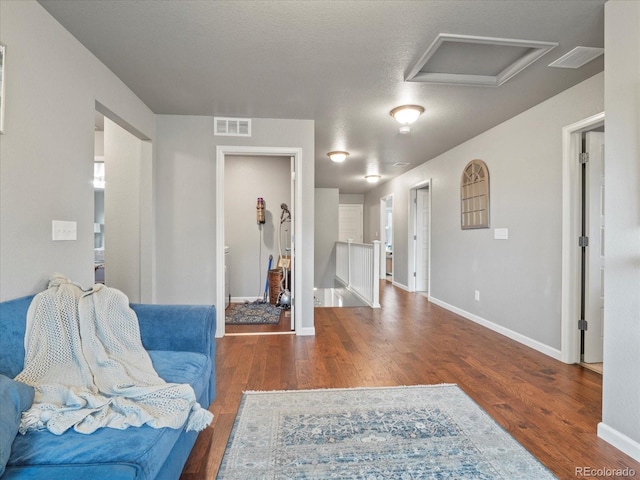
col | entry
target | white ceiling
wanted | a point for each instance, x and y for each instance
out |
(340, 63)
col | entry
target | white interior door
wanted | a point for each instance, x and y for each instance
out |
(422, 240)
(387, 236)
(350, 223)
(594, 291)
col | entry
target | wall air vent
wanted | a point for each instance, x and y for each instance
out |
(577, 57)
(232, 127)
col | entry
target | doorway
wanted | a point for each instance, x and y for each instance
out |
(420, 237)
(583, 242)
(258, 250)
(123, 207)
(295, 155)
(386, 227)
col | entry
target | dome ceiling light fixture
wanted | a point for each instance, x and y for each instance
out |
(338, 156)
(372, 178)
(406, 115)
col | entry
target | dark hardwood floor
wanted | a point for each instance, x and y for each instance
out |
(551, 408)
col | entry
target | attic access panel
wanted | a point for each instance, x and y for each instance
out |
(479, 61)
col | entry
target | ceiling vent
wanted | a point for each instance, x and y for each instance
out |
(577, 57)
(232, 127)
(478, 61)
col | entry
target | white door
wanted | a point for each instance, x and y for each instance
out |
(350, 223)
(422, 240)
(386, 237)
(594, 269)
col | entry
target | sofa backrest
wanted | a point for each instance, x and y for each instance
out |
(13, 321)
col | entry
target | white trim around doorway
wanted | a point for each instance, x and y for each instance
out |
(221, 152)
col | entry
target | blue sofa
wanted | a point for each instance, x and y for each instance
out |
(181, 342)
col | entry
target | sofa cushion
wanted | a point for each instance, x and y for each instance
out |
(13, 318)
(134, 453)
(15, 398)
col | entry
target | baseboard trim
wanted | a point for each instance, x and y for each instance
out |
(245, 299)
(401, 286)
(518, 337)
(619, 440)
(306, 331)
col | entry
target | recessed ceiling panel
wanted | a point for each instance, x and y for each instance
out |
(482, 61)
(473, 59)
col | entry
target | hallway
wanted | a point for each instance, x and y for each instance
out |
(551, 408)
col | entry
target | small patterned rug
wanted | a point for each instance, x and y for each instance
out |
(251, 314)
(424, 432)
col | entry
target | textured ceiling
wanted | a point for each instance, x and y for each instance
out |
(340, 63)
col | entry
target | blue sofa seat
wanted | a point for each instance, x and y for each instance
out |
(181, 344)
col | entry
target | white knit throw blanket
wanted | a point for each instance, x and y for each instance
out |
(84, 356)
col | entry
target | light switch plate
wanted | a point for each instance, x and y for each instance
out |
(501, 234)
(64, 230)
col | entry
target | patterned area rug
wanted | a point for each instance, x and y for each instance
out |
(425, 432)
(251, 314)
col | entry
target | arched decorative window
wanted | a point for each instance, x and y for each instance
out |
(474, 196)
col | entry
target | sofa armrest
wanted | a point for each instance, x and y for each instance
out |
(187, 328)
(184, 328)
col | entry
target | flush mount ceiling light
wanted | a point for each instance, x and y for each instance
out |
(406, 115)
(479, 61)
(338, 156)
(372, 178)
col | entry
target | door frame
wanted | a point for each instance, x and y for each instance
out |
(571, 228)
(413, 233)
(232, 150)
(383, 226)
(293, 206)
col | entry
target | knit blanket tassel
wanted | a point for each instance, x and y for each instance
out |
(199, 418)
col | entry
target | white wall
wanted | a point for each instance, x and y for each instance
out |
(186, 217)
(186, 204)
(124, 193)
(621, 380)
(326, 236)
(519, 279)
(351, 199)
(46, 153)
(246, 179)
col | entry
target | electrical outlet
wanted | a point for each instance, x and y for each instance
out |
(477, 295)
